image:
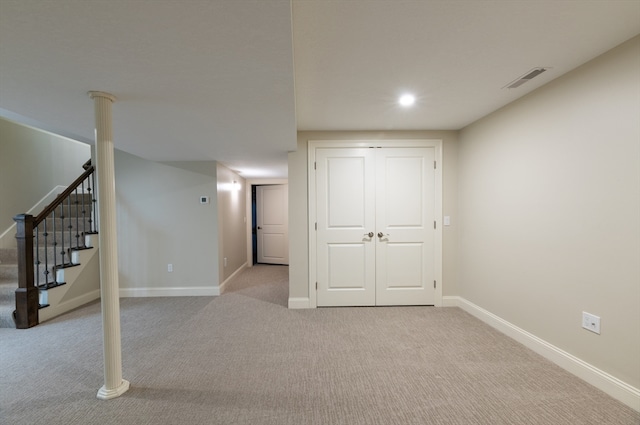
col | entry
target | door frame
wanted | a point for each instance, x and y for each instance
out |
(260, 208)
(249, 213)
(399, 143)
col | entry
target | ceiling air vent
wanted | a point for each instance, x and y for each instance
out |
(526, 77)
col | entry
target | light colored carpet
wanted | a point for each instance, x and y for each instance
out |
(244, 358)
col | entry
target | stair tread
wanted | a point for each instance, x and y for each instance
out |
(9, 267)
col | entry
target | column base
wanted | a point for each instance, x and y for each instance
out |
(105, 394)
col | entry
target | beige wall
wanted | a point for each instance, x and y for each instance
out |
(32, 163)
(549, 205)
(160, 221)
(298, 202)
(232, 228)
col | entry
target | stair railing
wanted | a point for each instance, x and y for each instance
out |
(45, 243)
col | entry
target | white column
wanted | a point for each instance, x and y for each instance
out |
(114, 385)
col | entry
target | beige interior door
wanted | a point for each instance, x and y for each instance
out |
(375, 216)
(272, 224)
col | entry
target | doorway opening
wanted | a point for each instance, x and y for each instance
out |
(269, 226)
(254, 225)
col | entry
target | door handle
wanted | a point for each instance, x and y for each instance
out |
(370, 234)
(259, 228)
(382, 235)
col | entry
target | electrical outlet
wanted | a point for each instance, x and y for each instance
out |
(170, 268)
(591, 322)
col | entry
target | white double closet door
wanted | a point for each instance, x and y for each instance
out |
(375, 238)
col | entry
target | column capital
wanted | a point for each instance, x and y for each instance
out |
(94, 94)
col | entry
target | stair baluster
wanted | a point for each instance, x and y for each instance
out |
(77, 235)
(30, 271)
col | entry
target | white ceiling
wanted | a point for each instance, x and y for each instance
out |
(216, 80)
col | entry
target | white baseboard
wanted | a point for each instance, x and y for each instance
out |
(191, 291)
(450, 301)
(234, 274)
(296, 303)
(54, 311)
(609, 384)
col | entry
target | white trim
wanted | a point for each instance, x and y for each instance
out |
(298, 302)
(437, 145)
(450, 301)
(190, 291)
(605, 382)
(391, 143)
(53, 311)
(369, 143)
(311, 223)
(249, 183)
(224, 284)
(105, 394)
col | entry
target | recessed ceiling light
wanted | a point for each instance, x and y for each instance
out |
(407, 100)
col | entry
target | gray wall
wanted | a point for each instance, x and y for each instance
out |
(549, 205)
(298, 202)
(160, 221)
(232, 229)
(32, 163)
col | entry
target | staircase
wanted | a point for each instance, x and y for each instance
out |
(61, 263)
(8, 286)
(58, 239)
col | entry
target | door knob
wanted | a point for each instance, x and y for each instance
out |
(259, 227)
(370, 234)
(382, 235)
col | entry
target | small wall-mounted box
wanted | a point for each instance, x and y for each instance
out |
(204, 199)
(591, 322)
